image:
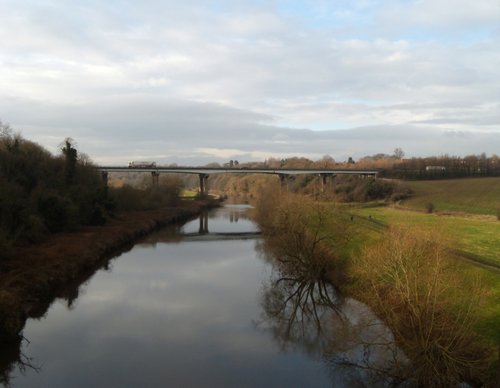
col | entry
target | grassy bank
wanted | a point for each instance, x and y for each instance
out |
(471, 195)
(433, 303)
(475, 240)
(442, 310)
(476, 237)
(38, 271)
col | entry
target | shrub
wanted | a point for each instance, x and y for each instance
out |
(41, 193)
(128, 198)
(355, 189)
(59, 213)
(378, 189)
(414, 285)
(305, 237)
(401, 191)
(36, 229)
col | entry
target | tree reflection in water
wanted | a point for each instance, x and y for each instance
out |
(310, 314)
(12, 357)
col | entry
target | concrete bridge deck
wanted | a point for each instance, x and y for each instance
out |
(243, 170)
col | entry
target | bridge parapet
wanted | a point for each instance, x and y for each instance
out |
(221, 170)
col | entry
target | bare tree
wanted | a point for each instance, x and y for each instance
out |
(399, 153)
(5, 130)
(413, 283)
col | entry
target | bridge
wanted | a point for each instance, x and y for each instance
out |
(202, 234)
(204, 172)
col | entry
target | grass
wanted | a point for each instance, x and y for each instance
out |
(471, 195)
(479, 239)
(189, 194)
(476, 237)
(489, 320)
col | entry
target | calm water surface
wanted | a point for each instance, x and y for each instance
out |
(188, 307)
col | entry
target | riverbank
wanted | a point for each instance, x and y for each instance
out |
(433, 303)
(38, 271)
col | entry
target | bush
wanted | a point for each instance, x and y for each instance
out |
(305, 237)
(59, 213)
(128, 198)
(414, 285)
(355, 189)
(36, 229)
(401, 191)
(41, 193)
(378, 189)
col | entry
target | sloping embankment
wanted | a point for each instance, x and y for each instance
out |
(29, 280)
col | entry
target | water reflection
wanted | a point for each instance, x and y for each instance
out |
(15, 356)
(356, 348)
(183, 314)
(177, 314)
(11, 358)
(228, 223)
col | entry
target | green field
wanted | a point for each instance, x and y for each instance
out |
(476, 237)
(489, 321)
(471, 195)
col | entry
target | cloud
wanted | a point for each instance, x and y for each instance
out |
(441, 14)
(132, 78)
(186, 132)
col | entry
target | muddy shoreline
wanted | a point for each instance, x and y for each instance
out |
(30, 282)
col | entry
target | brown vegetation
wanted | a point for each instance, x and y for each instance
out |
(356, 189)
(409, 278)
(412, 282)
(128, 198)
(307, 238)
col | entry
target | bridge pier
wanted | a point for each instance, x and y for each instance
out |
(285, 181)
(203, 229)
(324, 180)
(156, 178)
(203, 184)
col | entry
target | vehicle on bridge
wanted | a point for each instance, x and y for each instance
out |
(143, 164)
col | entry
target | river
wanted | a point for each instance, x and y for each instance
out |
(201, 305)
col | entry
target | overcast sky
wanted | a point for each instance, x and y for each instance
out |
(192, 82)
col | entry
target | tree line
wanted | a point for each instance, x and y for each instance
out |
(431, 167)
(42, 194)
(445, 167)
(347, 188)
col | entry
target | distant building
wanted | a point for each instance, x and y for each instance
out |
(435, 168)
